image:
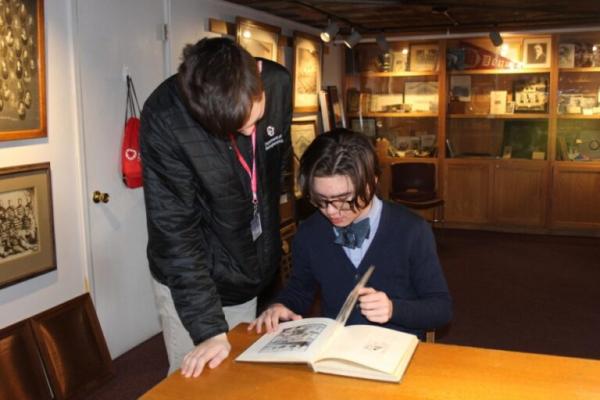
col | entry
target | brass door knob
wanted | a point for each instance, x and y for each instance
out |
(99, 197)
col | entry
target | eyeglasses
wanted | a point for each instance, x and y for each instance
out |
(340, 205)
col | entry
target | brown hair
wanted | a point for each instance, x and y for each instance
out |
(220, 82)
(341, 152)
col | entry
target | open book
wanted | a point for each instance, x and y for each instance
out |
(328, 346)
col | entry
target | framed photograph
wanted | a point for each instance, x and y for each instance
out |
(367, 126)
(536, 52)
(307, 72)
(338, 118)
(422, 96)
(303, 132)
(460, 87)
(399, 61)
(26, 223)
(566, 55)
(72, 348)
(259, 39)
(22, 68)
(352, 100)
(498, 102)
(424, 57)
(531, 94)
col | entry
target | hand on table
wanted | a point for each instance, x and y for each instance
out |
(212, 352)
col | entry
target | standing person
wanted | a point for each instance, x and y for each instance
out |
(353, 230)
(215, 143)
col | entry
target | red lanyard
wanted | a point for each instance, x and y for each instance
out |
(251, 174)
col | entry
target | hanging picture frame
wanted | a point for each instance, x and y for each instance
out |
(336, 111)
(259, 39)
(22, 69)
(307, 72)
(26, 223)
(303, 131)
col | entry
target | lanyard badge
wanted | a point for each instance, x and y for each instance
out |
(255, 225)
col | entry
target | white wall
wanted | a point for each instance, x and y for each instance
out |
(61, 149)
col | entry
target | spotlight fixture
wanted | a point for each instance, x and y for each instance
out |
(496, 38)
(353, 39)
(329, 33)
(383, 44)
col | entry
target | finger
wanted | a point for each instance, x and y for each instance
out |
(218, 358)
(296, 317)
(252, 325)
(199, 366)
(366, 290)
(274, 321)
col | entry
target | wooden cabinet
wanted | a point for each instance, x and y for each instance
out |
(575, 196)
(466, 191)
(519, 193)
(517, 140)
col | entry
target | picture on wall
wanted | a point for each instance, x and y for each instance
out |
(338, 118)
(259, 39)
(303, 132)
(307, 72)
(26, 223)
(536, 52)
(22, 70)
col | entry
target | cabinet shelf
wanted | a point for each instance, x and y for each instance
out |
(398, 74)
(499, 116)
(580, 69)
(505, 71)
(578, 116)
(396, 114)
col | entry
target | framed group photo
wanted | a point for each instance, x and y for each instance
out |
(22, 69)
(536, 52)
(259, 39)
(307, 72)
(424, 57)
(26, 223)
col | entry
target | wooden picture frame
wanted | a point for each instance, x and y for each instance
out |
(23, 72)
(22, 373)
(259, 39)
(27, 246)
(566, 55)
(366, 126)
(73, 348)
(424, 57)
(307, 72)
(303, 132)
(336, 108)
(531, 95)
(536, 52)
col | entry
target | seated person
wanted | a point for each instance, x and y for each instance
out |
(353, 230)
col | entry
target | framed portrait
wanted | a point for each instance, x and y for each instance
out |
(22, 68)
(26, 223)
(399, 61)
(536, 52)
(336, 111)
(307, 72)
(259, 39)
(367, 126)
(424, 57)
(566, 55)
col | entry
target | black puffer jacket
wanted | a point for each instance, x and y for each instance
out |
(199, 203)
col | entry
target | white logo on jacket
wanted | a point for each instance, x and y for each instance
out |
(273, 140)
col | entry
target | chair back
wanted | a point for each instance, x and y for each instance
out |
(413, 181)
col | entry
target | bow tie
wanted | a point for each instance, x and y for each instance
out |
(353, 235)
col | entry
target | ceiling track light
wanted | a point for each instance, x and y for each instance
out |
(330, 32)
(496, 38)
(353, 39)
(382, 42)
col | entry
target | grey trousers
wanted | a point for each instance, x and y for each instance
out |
(177, 339)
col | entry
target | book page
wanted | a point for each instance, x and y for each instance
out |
(375, 347)
(293, 341)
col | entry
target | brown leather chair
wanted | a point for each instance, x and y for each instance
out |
(413, 185)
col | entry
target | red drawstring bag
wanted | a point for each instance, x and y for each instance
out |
(131, 162)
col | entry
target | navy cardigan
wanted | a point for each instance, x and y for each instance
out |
(406, 264)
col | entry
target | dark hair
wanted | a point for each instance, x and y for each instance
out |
(341, 152)
(220, 82)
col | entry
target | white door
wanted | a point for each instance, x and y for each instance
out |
(113, 36)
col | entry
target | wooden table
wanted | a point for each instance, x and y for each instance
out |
(437, 371)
